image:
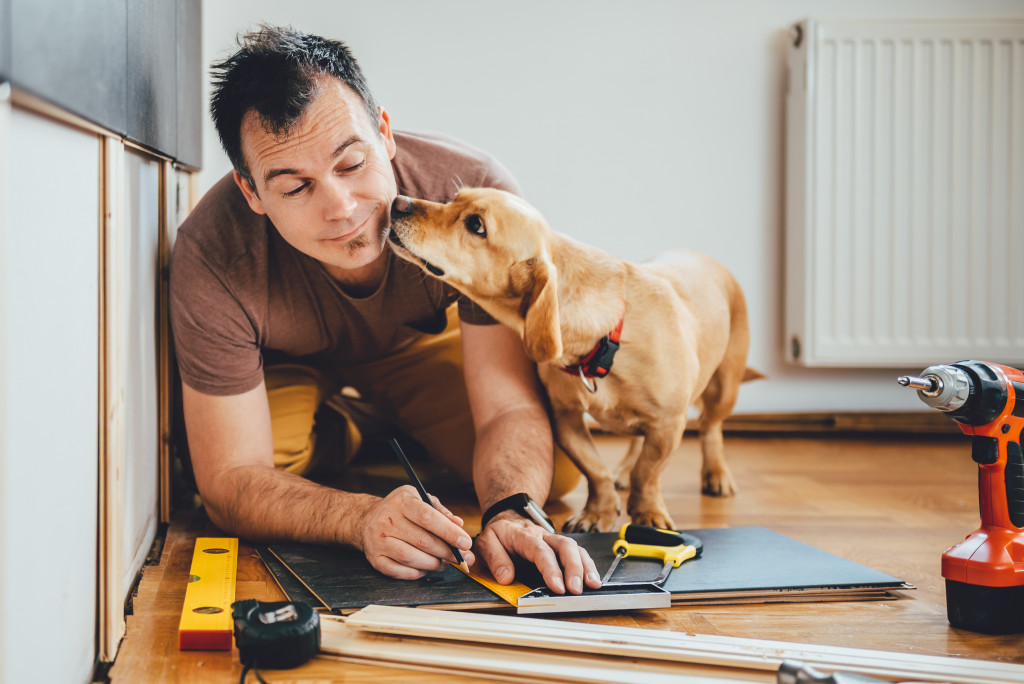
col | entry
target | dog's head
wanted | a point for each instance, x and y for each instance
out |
(493, 247)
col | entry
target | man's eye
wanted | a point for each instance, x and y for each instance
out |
(475, 225)
(354, 167)
(297, 191)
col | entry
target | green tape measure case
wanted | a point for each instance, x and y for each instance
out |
(276, 635)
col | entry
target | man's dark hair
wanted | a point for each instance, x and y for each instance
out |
(277, 74)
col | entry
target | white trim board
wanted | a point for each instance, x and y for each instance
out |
(660, 645)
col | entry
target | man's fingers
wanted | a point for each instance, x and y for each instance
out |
(439, 524)
(540, 553)
(495, 557)
(564, 564)
(387, 566)
(578, 567)
(451, 516)
(404, 536)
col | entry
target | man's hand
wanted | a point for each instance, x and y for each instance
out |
(403, 537)
(564, 564)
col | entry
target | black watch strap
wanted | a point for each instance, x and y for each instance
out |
(522, 504)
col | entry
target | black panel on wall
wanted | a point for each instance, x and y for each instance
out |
(72, 52)
(5, 40)
(191, 112)
(153, 74)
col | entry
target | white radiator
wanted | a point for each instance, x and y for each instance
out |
(905, 193)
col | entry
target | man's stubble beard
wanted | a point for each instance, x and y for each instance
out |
(361, 241)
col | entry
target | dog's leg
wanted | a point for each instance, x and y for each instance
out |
(646, 505)
(719, 398)
(628, 461)
(603, 506)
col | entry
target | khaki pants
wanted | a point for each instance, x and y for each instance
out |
(419, 391)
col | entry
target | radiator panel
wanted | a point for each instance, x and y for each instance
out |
(905, 183)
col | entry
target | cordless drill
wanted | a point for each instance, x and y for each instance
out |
(985, 572)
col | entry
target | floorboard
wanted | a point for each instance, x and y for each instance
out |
(893, 504)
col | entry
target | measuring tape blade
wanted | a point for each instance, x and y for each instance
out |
(206, 623)
(508, 592)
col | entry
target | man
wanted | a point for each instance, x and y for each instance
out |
(284, 289)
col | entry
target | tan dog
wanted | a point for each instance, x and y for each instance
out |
(684, 337)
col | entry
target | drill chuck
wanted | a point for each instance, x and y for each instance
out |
(942, 387)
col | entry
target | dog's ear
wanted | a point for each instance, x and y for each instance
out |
(542, 334)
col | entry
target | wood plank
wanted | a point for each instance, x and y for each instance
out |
(163, 337)
(112, 624)
(663, 645)
(527, 664)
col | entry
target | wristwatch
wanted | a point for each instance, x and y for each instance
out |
(522, 504)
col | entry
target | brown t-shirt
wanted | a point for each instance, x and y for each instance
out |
(241, 296)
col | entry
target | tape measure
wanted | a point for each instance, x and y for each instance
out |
(276, 635)
(508, 592)
(206, 616)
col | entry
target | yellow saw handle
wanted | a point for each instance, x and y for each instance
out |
(645, 541)
(674, 554)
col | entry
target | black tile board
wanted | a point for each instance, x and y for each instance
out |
(738, 561)
(294, 589)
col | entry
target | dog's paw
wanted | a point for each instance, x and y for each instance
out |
(622, 483)
(660, 519)
(718, 483)
(591, 521)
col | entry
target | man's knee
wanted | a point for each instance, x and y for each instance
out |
(300, 433)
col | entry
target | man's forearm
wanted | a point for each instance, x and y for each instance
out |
(514, 453)
(266, 505)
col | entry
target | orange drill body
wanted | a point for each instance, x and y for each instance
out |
(985, 572)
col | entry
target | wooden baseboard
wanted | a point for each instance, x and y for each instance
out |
(866, 423)
(880, 422)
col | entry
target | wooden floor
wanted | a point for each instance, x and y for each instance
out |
(891, 504)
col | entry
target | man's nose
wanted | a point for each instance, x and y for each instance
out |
(402, 206)
(341, 201)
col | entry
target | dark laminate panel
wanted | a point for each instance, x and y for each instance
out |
(152, 74)
(191, 109)
(752, 562)
(72, 52)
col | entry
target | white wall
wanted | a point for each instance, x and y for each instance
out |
(632, 126)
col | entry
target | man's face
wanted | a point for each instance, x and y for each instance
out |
(328, 186)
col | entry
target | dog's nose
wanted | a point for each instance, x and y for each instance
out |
(402, 206)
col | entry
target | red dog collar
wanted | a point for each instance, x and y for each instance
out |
(598, 362)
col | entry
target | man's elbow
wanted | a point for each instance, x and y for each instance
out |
(224, 498)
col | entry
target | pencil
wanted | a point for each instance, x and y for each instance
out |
(426, 498)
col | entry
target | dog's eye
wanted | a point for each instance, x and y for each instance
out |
(475, 225)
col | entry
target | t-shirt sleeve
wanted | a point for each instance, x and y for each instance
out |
(497, 176)
(470, 312)
(215, 342)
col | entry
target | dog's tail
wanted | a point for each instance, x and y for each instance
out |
(751, 374)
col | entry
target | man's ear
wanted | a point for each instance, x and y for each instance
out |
(250, 195)
(542, 335)
(384, 123)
